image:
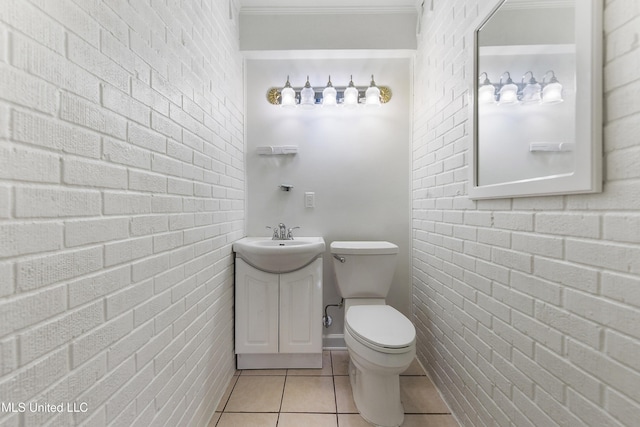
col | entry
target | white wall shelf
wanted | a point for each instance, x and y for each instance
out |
(277, 150)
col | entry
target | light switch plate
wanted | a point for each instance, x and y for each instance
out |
(309, 199)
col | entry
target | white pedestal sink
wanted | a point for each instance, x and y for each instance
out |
(279, 256)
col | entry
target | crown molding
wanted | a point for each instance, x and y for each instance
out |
(329, 54)
(324, 10)
(537, 4)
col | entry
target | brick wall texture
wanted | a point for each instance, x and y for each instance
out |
(121, 191)
(122, 188)
(527, 309)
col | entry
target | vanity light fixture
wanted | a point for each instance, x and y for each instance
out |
(552, 92)
(350, 96)
(528, 91)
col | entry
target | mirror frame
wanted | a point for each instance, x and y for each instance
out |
(587, 176)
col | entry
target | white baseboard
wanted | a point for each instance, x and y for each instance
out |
(333, 342)
(279, 361)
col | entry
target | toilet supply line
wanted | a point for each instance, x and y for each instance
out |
(326, 319)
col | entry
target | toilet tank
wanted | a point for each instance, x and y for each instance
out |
(367, 270)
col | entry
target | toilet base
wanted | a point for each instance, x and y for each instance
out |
(377, 397)
(375, 382)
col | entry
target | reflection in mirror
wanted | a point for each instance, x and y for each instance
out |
(536, 98)
(526, 92)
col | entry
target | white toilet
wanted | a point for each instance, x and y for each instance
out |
(381, 340)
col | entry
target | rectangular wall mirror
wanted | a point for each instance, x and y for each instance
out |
(536, 99)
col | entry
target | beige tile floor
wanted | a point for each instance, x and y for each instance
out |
(320, 398)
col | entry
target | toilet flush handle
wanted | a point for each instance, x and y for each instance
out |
(339, 258)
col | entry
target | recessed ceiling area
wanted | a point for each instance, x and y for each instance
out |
(295, 25)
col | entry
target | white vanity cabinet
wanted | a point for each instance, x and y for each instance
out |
(278, 317)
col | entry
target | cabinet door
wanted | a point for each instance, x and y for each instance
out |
(301, 310)
(256, 310)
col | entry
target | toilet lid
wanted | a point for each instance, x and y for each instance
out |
(380, 325)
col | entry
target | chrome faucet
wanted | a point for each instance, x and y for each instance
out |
(281, 233)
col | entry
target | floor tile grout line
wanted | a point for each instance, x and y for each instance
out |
(284, 386)
(333, 380)
(235, 383)
(323, 413)
(332, 374)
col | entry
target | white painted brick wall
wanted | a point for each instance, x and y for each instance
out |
(536, 322)
(121, 191)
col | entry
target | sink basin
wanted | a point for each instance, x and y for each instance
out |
(279, 256)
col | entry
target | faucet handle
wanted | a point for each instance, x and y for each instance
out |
(274, 236)
(290, 233)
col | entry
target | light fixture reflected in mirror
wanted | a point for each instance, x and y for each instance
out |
(543, 148)
(526, 92)
(508, 93)
(532, 91)
(552, 92)
(487, 91)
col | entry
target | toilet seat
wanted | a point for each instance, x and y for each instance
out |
(381, 328)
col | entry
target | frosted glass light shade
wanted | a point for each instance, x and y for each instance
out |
(531, 94)
(329, 95)
(487, 94)
(307, 95)
(351, 95)
(372, 95)
(508, 94)
(288, 96)
(552, 93)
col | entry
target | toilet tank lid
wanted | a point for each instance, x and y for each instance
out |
(363, 248)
